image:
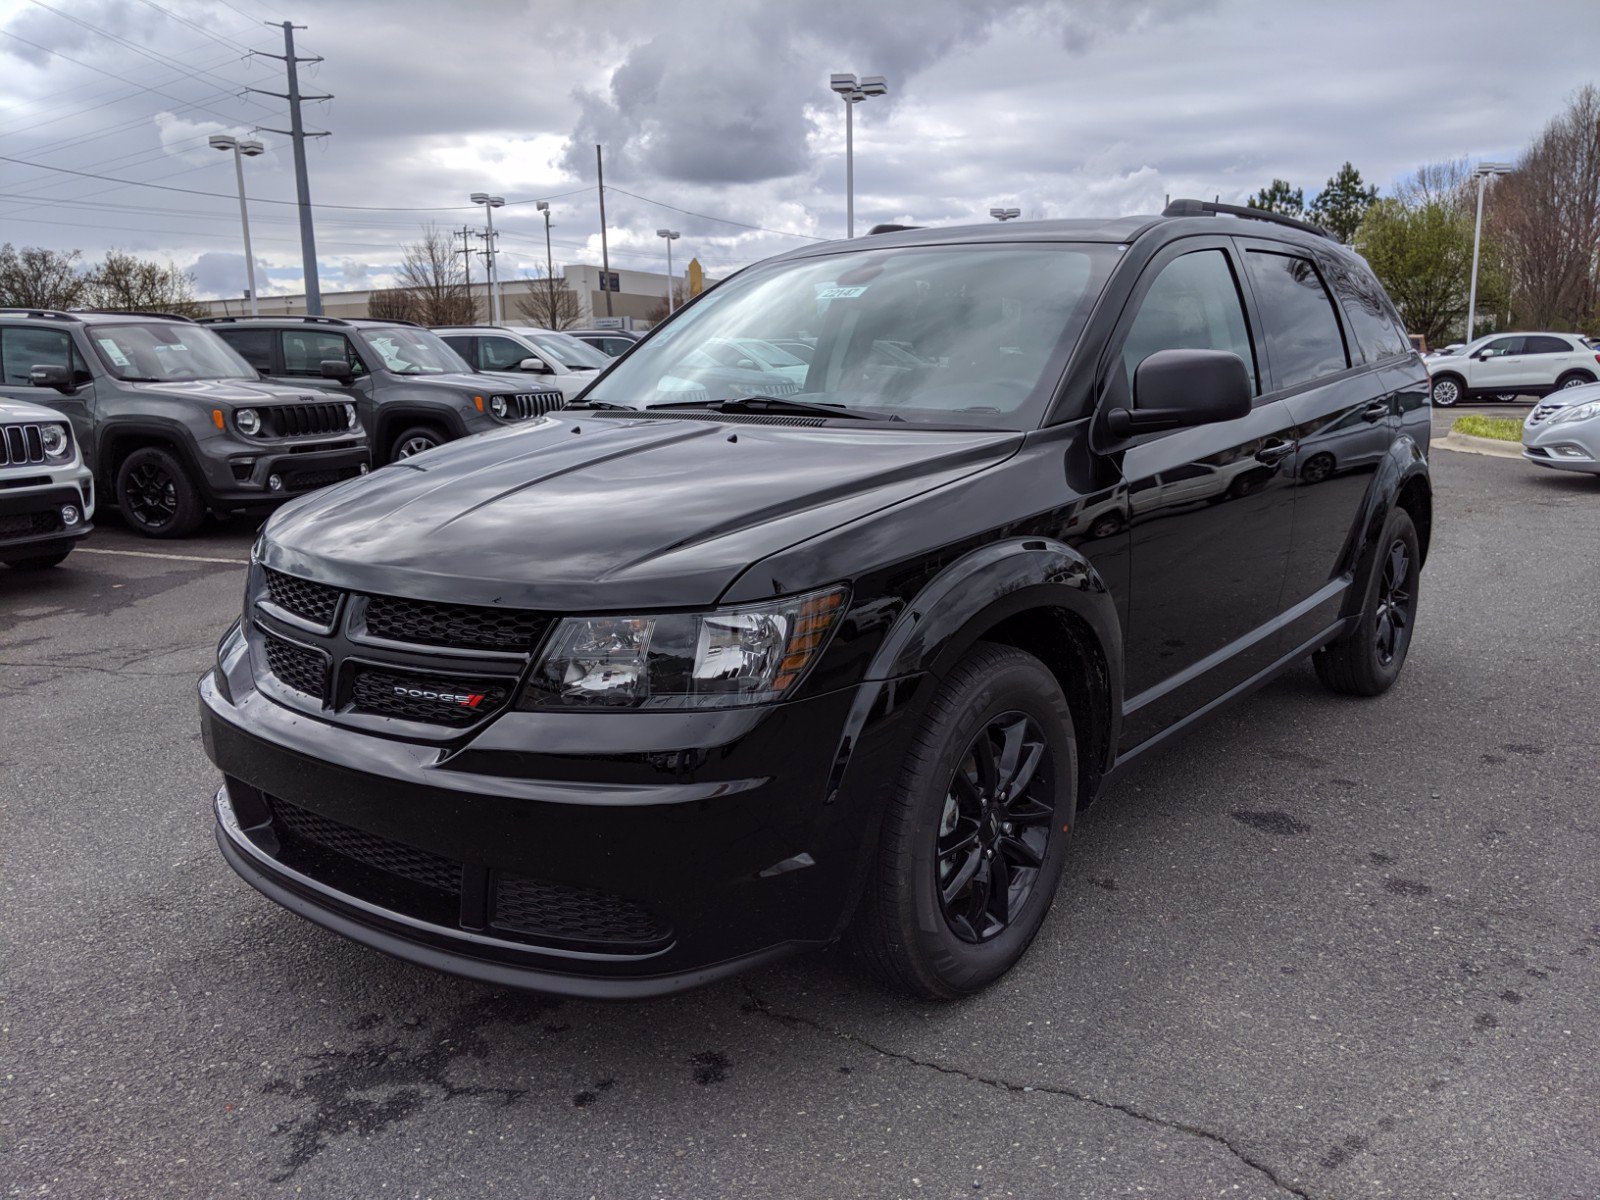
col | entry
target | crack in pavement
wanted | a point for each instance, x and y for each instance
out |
(760, 1006)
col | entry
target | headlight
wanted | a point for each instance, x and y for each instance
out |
(349, 416)
(248, 420)
(754, 654)
(497, 405)
(56, 441)
(1577, 412)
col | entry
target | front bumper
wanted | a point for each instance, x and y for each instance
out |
(601, 854)
(31, 520)
(244, 480)
(1563, 445)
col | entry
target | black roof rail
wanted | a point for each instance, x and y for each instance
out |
(1206, 208)
(50, 314)
(136, 312)
(286, 317)
(374, 321)
(890, 229)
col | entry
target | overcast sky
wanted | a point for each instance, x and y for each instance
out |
(1090, 107)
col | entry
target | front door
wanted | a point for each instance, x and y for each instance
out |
(1500, 365)
(304, 351)
(1210, 506)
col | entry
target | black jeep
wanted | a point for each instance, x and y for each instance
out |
(655, 688)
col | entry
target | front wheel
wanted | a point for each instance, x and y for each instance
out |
(156, 495)
(1367, 660)
(975, 837)
(1448, 391)
(414, 441)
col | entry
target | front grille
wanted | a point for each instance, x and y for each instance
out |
(456, 625)
(523, 405)
(419, 866)
(297, 668)
(22, 444)
(305, 481)
(316, 602)
(547, 910)
(431, 699)
(303, 420)
(30, 524)
(1543, 412)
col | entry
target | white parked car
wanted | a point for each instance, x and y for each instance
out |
(46, 491)
(563, 362)
(1513, 364)
(1563, 430)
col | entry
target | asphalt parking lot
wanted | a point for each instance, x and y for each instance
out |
(1321, 948)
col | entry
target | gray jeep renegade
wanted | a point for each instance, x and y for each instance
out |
(171, 421)
(413, 391)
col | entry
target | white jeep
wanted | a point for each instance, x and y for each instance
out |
(46, 491)
(1513, 364)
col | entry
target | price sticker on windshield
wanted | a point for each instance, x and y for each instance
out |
(840, 293)
(113, 351)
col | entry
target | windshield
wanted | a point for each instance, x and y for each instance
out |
(415, 352)
(159, 351)
(569, 351)
(973, 334)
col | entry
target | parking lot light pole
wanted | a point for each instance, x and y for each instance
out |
(490, 203)
(243, 149)
(1483, 174)
(853, 91)
(549, 261)
(671, 235)
(1005, 214)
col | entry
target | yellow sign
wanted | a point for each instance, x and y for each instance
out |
(697, 277)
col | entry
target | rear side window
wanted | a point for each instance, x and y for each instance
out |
(21, 350)
(1192, 305)
(1297, 318)
(252, 345)
(1546, 345)
(1367, 312)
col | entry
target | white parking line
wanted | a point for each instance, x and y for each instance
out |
(231, 562)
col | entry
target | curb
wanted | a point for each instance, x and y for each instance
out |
(1468, 444)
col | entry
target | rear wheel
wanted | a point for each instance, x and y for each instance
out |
(975, 838)
(1573, 379)
(1367, 660)
(1448, 391)
(417, 440)
(156, 495)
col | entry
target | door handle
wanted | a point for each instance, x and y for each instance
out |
(1375, 412)
(1274, 450)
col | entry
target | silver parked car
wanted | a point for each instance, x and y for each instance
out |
(1563, 430)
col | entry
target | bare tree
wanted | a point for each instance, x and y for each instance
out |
(658, 311)
(550, 303)
(436, 278)
(392, 304)
(34, 277)
(141, 285)
(1447, 183)
(1547, 216)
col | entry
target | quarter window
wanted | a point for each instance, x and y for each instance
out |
(1192, 305)
(1297, 317)
(21, 350)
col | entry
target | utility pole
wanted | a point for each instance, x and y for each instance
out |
(297, 133)
(466, 258)
(605, 251)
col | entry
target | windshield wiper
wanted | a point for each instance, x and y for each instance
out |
(605, 404)
(777, 404)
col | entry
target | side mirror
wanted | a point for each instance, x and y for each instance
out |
(537, 365)
(1174, 389)
(337, 368)
(52, 375)
(1486, 352)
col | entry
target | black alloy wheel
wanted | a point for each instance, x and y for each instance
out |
(995, 828)
(156, 495)
(1393, 618)
(1366, 660)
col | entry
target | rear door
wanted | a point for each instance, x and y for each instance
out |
(1547, 358)
(1209, 533)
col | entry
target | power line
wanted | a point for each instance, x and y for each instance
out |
(170, 15)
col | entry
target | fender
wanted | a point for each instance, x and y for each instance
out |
(1404, 462)
(392, 418)
(114, 432)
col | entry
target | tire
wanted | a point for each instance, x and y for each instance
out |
(38, 562)
(156, 494)
(1367, 660)
(942, 816)
(1316, 468)
(1573, 379)
(1449, 391)
(415, 440)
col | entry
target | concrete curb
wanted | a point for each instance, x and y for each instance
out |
(1468, 444)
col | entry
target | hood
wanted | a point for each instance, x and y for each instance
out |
(580, 512)
(241, 392)
(14, 410)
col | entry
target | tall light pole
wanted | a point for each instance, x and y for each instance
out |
(1005, 214)
(853, 92)
(549, 261)
(1483, 174)
(242, 149)
(490, 203)
(671, 235)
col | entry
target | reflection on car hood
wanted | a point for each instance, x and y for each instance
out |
(13, 408)
(579, 511)
(242, 392)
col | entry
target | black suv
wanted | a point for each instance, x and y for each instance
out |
(413, 391)
(172, 422)
(662, 687)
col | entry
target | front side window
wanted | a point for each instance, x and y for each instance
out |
(155, 352)
(1193, 304)
(973, 334)
(1297, 318)
(1501, 347)
(305, 350)
(408, 351)
(21, 350)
